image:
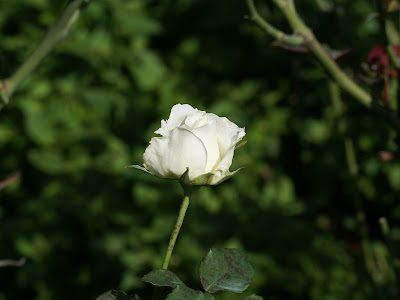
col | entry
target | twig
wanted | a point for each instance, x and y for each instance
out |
(309, 41)
(293, 40)
(12, 262)
(57, 32)
(10, 180)
(394, 260)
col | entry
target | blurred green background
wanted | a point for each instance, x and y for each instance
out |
(85, 224)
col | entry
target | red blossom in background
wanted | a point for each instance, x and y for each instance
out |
(379, 62)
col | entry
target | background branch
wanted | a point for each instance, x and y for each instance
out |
(12, 262)
(10, 180)
(292, 40)
(57, 32)
(395, 264)
(312, 44)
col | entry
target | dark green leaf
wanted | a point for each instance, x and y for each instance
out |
(183, 292)
(162, 278)
(225, 269)
(114, 295)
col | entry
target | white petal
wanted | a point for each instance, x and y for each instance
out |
(155, 155)
(208, 135)
(226, 161)
(186, 150)
(194, 139)
(179, 113)
(196, 119)
(163, 130)
(228, 133)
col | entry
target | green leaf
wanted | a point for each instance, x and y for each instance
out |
(225, 269)
(114, 295)
(162, 278)
(252, 297)
(183, 292)
(148, 70)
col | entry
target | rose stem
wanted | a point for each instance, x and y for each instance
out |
(175, 232)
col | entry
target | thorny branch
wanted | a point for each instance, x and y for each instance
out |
(304, 37)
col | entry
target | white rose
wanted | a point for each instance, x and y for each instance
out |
(193, 140)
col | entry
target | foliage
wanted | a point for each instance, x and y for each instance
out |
(85, 224)
(222, 269)
(116, 295)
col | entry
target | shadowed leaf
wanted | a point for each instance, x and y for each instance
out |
(182, 292)
(225, 269)
(114, 295)
(162, 278)
(252, 297)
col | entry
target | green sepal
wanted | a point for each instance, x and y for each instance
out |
(203, 180)
(186, 184)
(241, 144)
(139, 168)
(229, 175)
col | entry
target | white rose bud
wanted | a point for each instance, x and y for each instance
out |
(195, 146)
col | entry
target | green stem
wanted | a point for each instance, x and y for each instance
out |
(344, 81)
(175, 232)
(57, 32)
(294, 40)
(289, 10)
(340, 77)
